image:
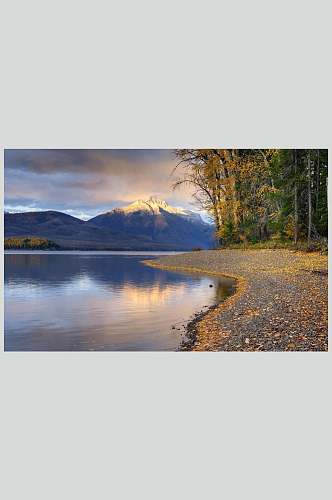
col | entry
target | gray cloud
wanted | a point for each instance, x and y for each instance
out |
(88, 182)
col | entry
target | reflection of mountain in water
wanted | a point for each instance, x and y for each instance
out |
(155, 294)
(144, 284)
(99, 302)
(53, 269)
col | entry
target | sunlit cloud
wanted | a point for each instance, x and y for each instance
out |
(88, 182)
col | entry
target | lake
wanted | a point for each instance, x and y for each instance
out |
(100, 301)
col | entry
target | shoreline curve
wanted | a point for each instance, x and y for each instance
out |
(192, 341)
(279, 303)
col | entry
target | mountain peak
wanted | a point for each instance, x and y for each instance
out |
(153, 205)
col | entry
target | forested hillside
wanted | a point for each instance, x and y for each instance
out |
(258, 195)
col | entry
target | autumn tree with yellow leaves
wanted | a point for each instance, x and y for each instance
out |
(256, 194)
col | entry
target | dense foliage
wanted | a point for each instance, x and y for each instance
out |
(30, 243)
(256, 195)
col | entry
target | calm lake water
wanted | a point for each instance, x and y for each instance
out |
(66, 301)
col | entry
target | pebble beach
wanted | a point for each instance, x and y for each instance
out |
(280, 302)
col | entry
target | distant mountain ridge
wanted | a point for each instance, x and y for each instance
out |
(143, 225)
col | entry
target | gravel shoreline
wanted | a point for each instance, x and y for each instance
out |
(280, 303)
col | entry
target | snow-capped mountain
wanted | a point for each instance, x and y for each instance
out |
(155, 206)
(143, 225)
(159, 223)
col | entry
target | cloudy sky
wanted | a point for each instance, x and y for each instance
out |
(84, 183)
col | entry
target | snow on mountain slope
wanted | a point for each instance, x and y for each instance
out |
(155, 205)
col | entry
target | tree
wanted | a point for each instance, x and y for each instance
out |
(257, 194)
(296, 212)
(309, 198)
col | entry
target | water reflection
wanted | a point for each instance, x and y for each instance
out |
(99, 302)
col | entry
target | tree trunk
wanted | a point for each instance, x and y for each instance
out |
(317, 182)
(309, 200)
(296, 211)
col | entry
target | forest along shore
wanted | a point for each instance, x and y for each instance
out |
(280, 303)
